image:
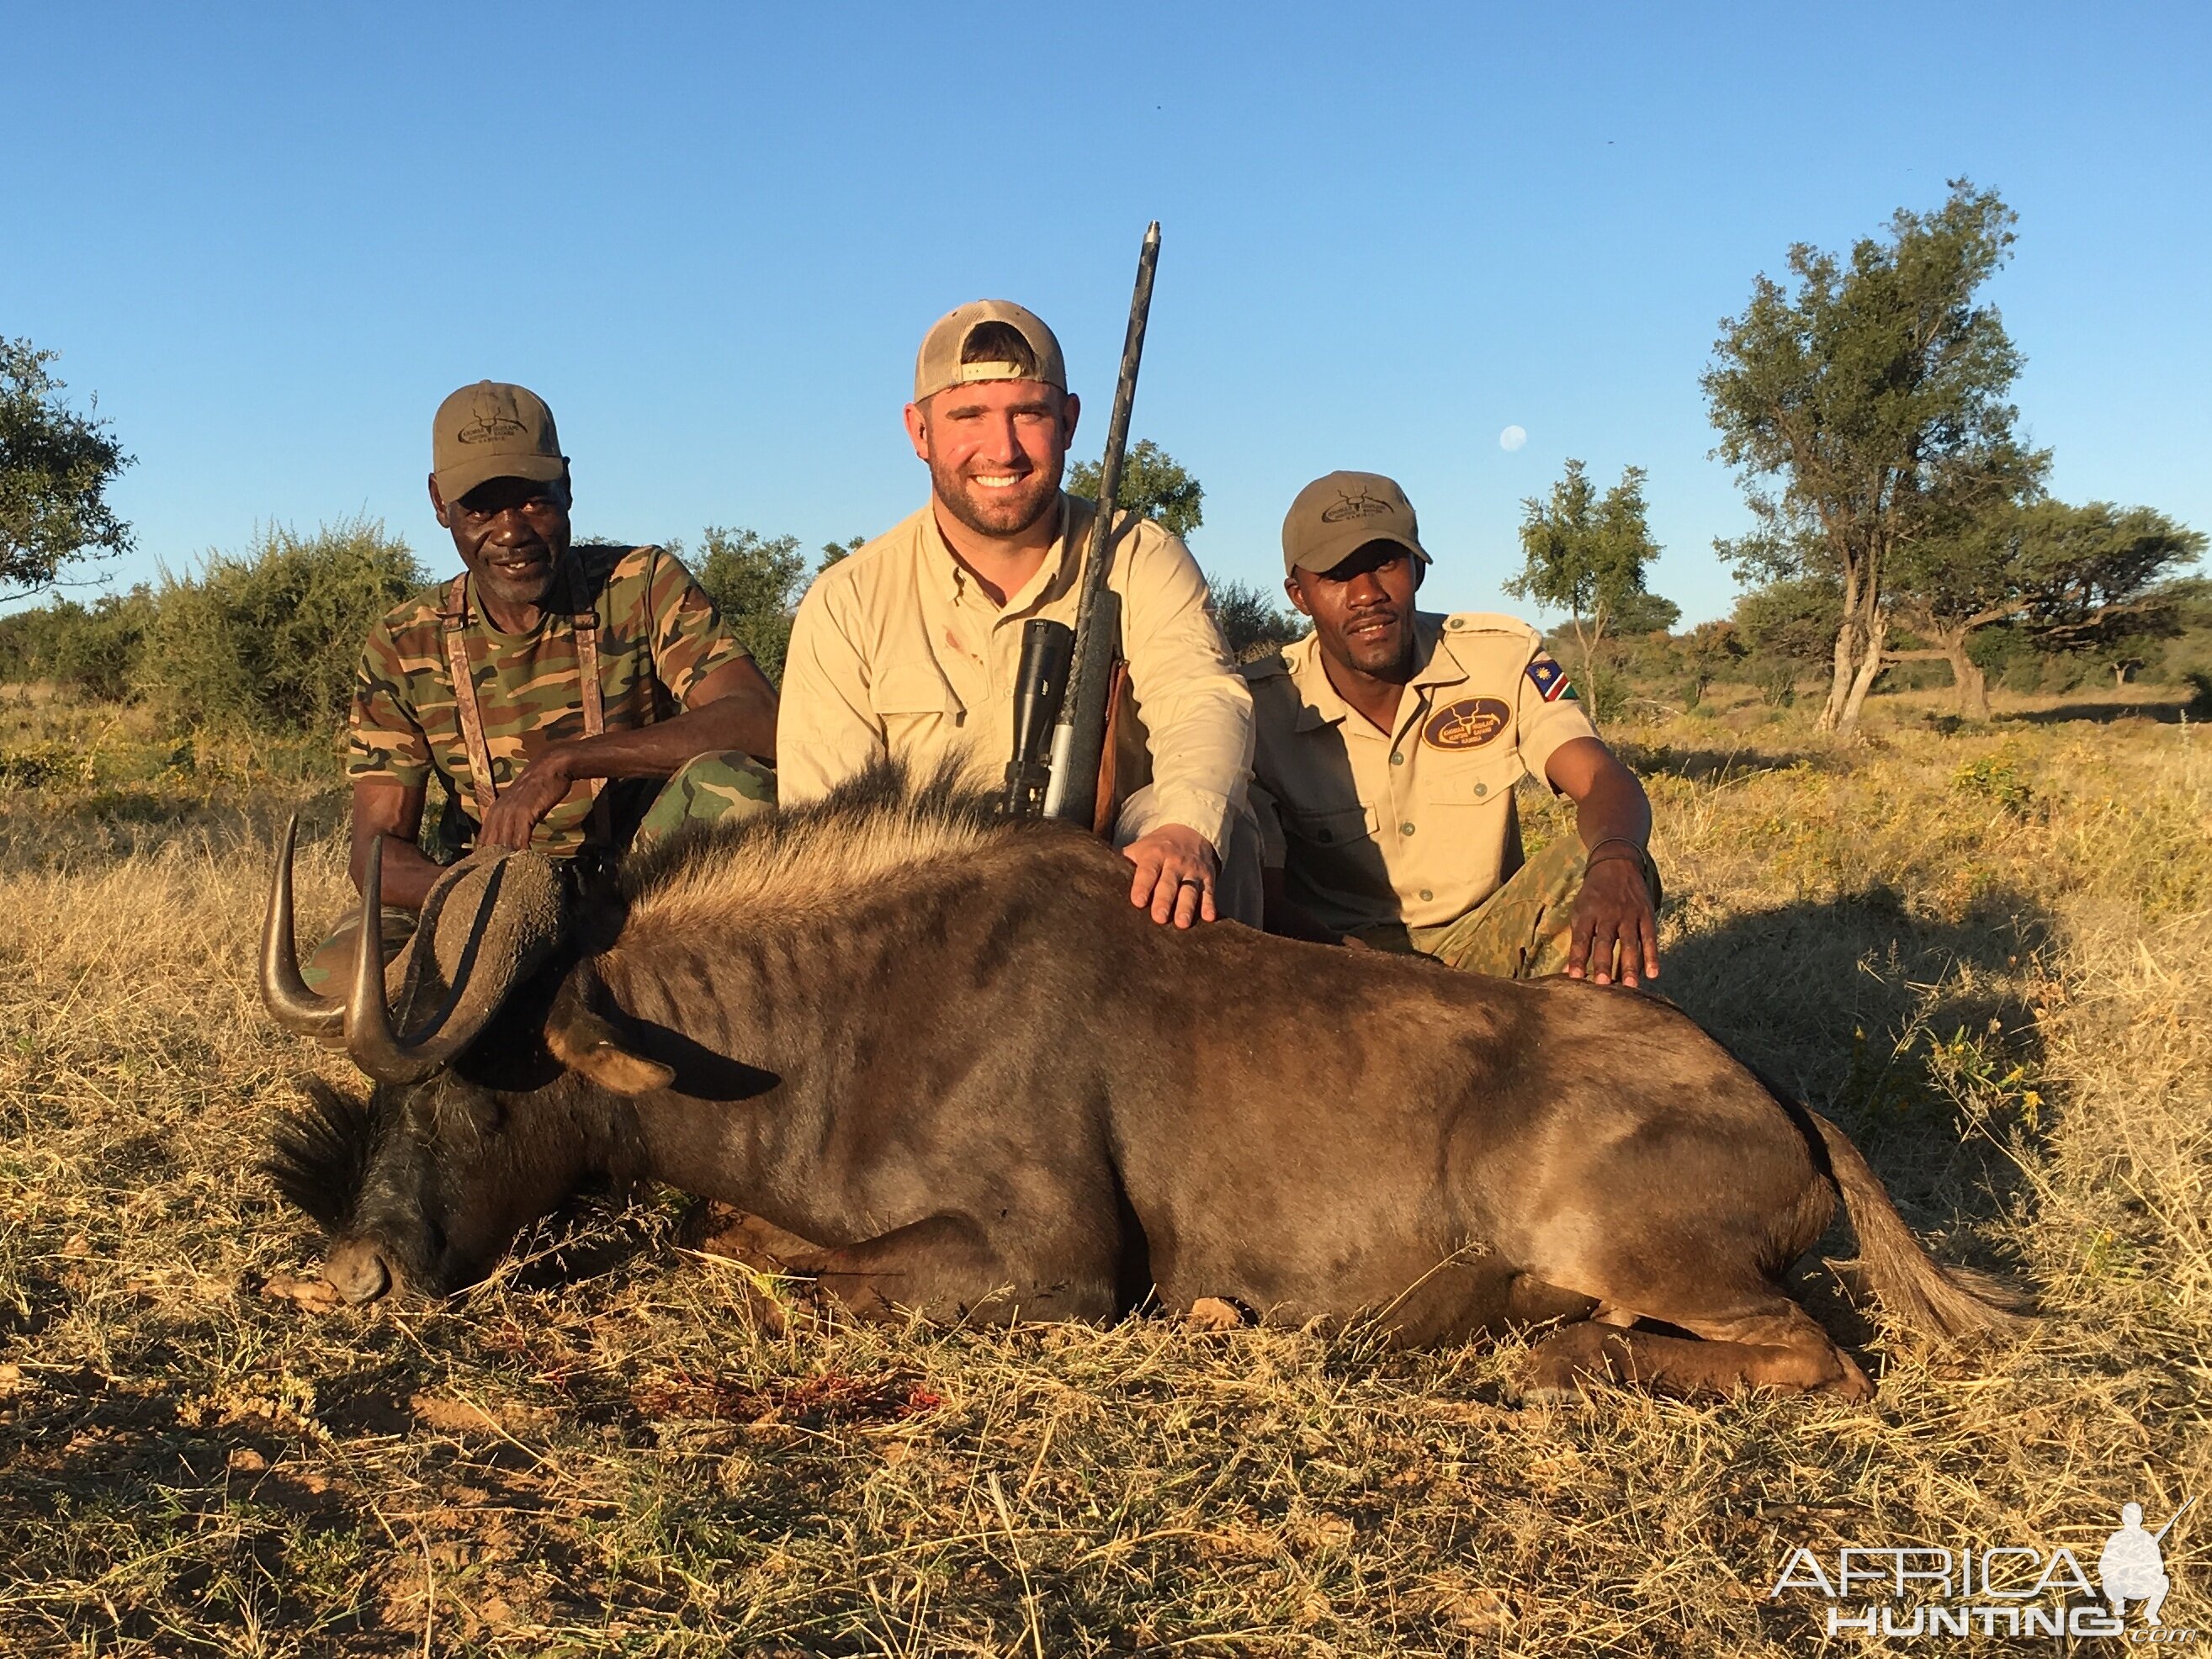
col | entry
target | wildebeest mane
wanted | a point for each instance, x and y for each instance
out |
(320, 1152)
(873, 825)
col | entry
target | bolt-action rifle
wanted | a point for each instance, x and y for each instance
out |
(1066, 685)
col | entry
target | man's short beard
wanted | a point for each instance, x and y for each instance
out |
(1017, 510)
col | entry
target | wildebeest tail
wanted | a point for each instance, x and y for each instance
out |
(1956, 1305)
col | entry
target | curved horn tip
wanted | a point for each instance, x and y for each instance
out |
(285, 994)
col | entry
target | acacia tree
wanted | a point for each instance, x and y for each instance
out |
(1869, 409)
(55, 468)
(1587, 556)
(1154, 485)
(2075, 577)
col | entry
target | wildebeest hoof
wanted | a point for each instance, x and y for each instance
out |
(1854, 1385)
(1214, 1313)
(356, 1270)
(1550, 1392)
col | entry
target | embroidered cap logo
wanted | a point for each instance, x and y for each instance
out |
(1361, 506)
(495, 418)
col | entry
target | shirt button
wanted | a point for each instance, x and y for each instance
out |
(1397, 760)
(1456, 622)
(1481, 789)
(1405, 829)
(1426, 894)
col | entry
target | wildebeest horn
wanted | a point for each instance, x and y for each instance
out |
(283, 993)
(505, 934)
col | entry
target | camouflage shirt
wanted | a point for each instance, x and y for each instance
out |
(659, 636)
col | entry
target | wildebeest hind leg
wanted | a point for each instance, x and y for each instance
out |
(1773, 1344)
(944, 1267)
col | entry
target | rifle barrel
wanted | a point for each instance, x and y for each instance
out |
(1079, 738)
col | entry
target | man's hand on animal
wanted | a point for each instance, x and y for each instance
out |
(1616, 936)
(543, 787)
(1175, 873)
(1616, 932)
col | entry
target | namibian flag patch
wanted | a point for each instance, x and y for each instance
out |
(1550, 680)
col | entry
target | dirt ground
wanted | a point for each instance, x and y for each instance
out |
(1983, 950)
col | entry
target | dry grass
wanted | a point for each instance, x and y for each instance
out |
(1983, 951)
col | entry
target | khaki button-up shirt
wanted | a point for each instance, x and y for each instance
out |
(1416, 824)
(896, 651)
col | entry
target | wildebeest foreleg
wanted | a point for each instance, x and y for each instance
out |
(1775, 1345)
(944, 1267)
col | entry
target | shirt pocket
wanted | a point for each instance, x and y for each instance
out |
(1339, 826)
(914, 704)
(1334, 852)
(1476, 781)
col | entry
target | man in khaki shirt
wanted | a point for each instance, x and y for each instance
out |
(908, 648)
(1389, 742)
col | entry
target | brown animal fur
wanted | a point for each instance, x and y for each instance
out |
(951, 1052)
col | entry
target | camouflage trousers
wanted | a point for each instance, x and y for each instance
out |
(703, 790)
(1523, 931)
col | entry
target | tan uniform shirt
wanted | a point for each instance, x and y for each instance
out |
(896, 651)
(1415, 824)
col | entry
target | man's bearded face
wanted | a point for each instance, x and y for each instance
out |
(996, 452)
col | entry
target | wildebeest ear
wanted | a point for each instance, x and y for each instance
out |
(592, 1045)
(586, 1044)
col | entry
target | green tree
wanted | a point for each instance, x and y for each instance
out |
(1153, 484)
(1711, 652)
(270, 639)
(1587, 555)
(1788, 628)
(2079, 578)
(756, 582)
(838, 552)
(1867, 408)
(2106, 580)
(55, 469)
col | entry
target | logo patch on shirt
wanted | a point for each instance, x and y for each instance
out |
(1550, 680)
(1467, 724)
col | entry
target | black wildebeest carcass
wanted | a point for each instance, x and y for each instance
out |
(949, 1049)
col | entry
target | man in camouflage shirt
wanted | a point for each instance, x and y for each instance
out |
(604, 698)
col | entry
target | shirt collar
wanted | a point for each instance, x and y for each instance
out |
(953, 580)
(1319, 703)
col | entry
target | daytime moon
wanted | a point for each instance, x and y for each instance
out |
(1512, 439)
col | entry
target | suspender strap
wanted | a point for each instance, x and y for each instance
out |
(454, 621)
(587, 624)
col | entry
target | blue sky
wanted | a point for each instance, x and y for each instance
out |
(272, 239)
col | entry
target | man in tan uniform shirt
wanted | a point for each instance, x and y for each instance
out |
(1389, 745)
(908, 648)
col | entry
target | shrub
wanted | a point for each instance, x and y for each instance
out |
(92, 650)
(270, 639)
(1250, 623)
(756, 582)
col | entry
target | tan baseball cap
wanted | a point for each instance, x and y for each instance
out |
(939, 366)
(1336, 516)
(493, 430)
